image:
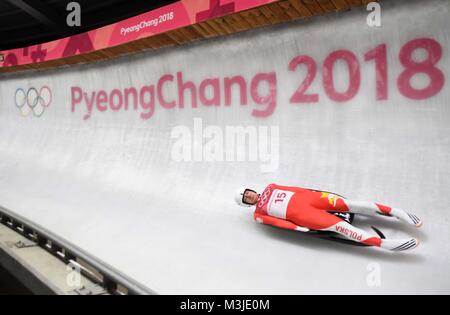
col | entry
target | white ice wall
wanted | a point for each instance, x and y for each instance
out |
(111, 185)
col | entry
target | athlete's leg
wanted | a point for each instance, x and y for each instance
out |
(332, 202)
(372, 208)
(320, 220)
(324, 221)
(353, 233)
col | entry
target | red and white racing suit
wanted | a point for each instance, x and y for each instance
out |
(297, 208)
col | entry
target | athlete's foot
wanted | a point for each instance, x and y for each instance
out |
(400, 245)
(406, 217)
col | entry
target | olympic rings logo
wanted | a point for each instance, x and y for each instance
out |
(33, 101)
(264, 197)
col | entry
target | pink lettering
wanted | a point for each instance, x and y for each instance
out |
(182, 87)
(115, 100)
(131, 91)
(165, 104)
(240, 81)
(215, 99)
(148, 105)
(209, 93)
(76, 96)
(102, 100)
(89, 104)
(270, 99)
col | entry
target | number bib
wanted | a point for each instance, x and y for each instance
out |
(278, 203)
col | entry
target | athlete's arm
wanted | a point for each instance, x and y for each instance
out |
(284, 224)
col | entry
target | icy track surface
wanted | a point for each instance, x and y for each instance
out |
(109, 181)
